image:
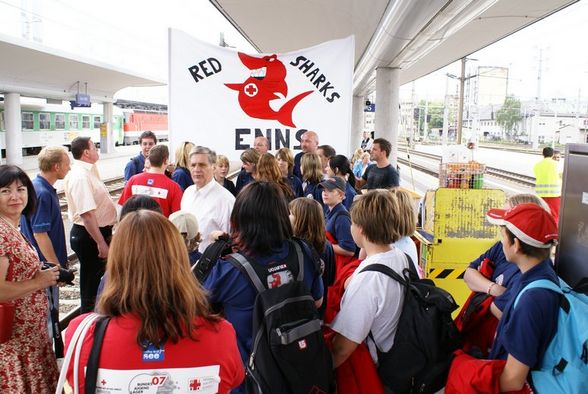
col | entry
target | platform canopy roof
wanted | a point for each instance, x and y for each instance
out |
(418, 37)
(34, 70)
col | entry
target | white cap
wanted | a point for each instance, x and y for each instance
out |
(185, 223)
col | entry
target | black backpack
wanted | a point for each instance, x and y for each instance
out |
(425, 338)
(289, 354)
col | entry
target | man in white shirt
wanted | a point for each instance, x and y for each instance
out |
(93, 213)
(209, 201)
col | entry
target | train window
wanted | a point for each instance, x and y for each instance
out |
(27, 120)
(85, 121)
(1, 120)
(97, 121)
(74, 122)
(60, 121)
(44, 121)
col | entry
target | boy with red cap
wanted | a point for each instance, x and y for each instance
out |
(528, 233)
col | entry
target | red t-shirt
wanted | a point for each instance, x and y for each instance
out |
(166, 192)
(208, 365)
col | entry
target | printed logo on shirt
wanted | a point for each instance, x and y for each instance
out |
(150, 181)
(155, 192)
(499, 279)
(202, 380)
(152, 354)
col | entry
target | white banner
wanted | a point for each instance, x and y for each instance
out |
(223, 99)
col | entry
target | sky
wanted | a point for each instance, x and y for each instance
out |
(565, 60)
(132, 35)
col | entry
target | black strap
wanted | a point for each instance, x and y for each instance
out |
(56, 331)
(386, 271)
(92, 366)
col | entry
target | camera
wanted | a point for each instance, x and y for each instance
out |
(65, 276)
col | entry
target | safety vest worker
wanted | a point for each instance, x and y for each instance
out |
(547, 177)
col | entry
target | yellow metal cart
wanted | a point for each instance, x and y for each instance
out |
(454, 233)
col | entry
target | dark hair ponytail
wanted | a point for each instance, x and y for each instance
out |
(340, 166)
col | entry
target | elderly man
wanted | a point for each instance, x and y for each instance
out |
(261, 144)
(147, 140)
(93, 213)
(155, 184)
(209, 201)
(309, 144)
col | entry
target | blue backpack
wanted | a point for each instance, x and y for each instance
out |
(564, 368)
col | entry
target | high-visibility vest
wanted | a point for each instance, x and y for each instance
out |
(547, 180)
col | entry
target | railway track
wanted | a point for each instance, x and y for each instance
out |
(492, 171)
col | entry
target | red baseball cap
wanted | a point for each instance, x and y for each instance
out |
(529, 222)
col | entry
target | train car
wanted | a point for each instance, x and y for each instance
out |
(135, 122)
(53, 124)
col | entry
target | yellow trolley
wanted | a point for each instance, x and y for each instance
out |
(454, 233)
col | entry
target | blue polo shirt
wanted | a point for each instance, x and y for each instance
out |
(46, 219)
(229, 286)
(505, 272)
(312, 190)
(526, 332)
(134, 166)
(296, 185)
(339, 225)
(297, 159)
(182, 177)
(350, 194)
(243, 179)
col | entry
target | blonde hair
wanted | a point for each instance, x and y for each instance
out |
(49, 156)
(183, 153)
(309, 222)
(286, 155)
(222, 160)
(311, 168)
(356, 155)
(407, 217)
(378, 214)
(149, 276)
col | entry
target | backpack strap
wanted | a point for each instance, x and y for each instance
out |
(239, 261)
(542, 284)
(386, 271)
(300, 256)
(92, 366)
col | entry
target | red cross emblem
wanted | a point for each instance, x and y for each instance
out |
(103, 382)
(251, 89)
(194, 384)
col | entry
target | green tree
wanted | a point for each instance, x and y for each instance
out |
(509, 116)
(435, 114)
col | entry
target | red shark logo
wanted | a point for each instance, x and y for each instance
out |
(268, 78)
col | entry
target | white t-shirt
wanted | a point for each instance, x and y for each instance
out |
(372, 303)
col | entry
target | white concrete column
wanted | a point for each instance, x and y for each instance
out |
(13, 122)
(388, 107)
(106, 138)
(357, 122)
